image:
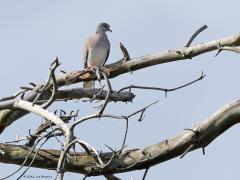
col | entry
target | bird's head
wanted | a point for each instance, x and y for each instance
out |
(103, 27)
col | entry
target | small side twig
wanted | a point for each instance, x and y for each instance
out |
(195, 34)
(142, 110)
(108, 94)
(125, 135)
(126, 56)
(228, 48)
(190, 148)
(145, 173)
(55, 64)
(26, 158)
(12, 96)
(111, 177)
(32, 159)
(54, 84)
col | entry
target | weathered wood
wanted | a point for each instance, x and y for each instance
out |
(199, 136)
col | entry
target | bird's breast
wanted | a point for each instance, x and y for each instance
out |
(97, 56)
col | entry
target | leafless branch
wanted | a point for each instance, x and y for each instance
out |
(195, 34)
(125, 135)
(111, 177)
(228, 48)
(142, 110)
(122, 117)
(145, 173)
(27, 155)
(48, 82)
(32, 160)
(18, 140)
(135, 159)
(54, 84)
(12, 96)
(120, 67)
(89, 149)
(164, 89)
(38, 110)
(126, 56)
(108, 94)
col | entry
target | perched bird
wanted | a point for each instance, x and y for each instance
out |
(96, 50)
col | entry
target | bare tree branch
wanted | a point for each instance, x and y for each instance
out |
(38, 110)
(163, 89)
(228, 48)
(121, 67)
(195, 34)
(108, 94)
(112, 70)
(135, 159)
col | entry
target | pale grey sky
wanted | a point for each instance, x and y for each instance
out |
(33, 33)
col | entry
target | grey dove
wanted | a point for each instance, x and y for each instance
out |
(96, 51)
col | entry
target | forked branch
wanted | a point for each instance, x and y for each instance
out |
(135, 159)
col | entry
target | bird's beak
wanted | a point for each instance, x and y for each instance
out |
(109, 30)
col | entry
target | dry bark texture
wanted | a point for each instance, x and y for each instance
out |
(93, 163)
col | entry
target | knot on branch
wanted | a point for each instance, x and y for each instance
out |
(195, 142)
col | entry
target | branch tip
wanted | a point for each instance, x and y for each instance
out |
(195, 34)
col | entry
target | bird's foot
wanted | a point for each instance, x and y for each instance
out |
(92, 69)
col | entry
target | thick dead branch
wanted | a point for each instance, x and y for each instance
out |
(134, 159)
(38, 110)
(78, 93)
(112, 70)
(134, 64)
(7, 116)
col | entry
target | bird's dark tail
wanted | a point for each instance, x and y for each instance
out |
(88, 84)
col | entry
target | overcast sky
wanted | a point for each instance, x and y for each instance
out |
(33, 33)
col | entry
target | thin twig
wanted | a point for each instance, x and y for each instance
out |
(228, 48)
(12, 96)
(54, 84)
(32, 159)
(46, 125)
(143, 109)
(25, 160)
(18, 140)
(99, 92)
(46, 85)
(194, 35)
(111, 177)
(164, 89)
(190, 148)
(108, 94)
(89, 149)
(125, 135)
(109, 116)
(145, 173)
